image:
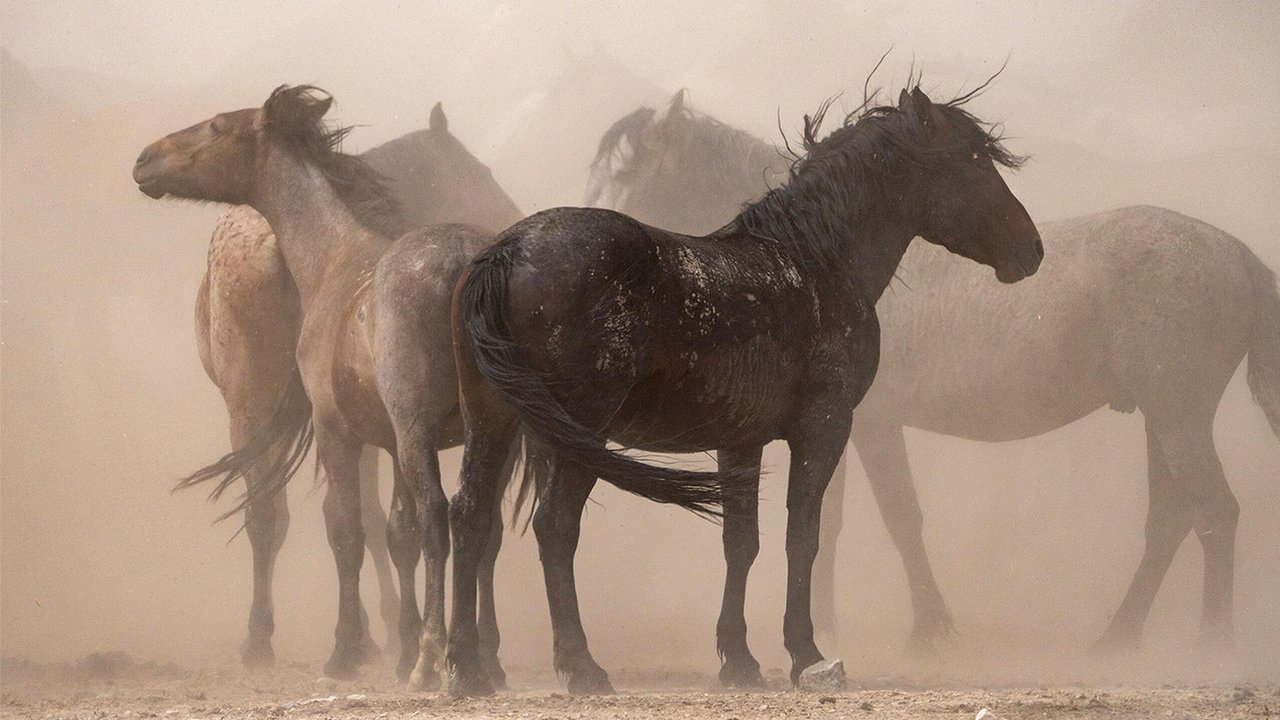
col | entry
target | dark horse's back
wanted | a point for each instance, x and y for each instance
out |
(626, 321)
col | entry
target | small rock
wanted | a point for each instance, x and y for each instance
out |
(827, 699)
(824, 675)
(985, 714)
(867, 706)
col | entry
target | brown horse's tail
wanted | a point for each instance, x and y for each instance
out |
(1264, 349)
(278, 449)
(482, 305)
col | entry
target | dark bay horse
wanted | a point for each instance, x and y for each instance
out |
(247, 323)
(1137, 308)
(374, 351)
(586, 325)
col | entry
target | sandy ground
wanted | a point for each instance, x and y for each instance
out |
(113, 685)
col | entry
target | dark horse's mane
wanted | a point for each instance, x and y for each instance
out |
(294, 117)
(839, 182)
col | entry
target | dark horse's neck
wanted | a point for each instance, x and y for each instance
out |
(843, 221)
(314, 227)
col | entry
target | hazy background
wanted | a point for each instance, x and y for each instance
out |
(104, 401)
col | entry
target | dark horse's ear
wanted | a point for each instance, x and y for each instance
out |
(296, 104)
(918, 104)
(676, 108)
(438, 121)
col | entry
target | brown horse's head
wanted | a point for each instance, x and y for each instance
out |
(217, 159)
(966, 206)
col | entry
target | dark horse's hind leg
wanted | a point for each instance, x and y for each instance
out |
(741, 544)
(1187, 489)
(557, 523)
(883, 451)
(341, 457)
(489, 437)
(815, 451)
(825, 622)
(402, 540)
(487, 623)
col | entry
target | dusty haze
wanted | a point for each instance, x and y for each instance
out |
(105, 402)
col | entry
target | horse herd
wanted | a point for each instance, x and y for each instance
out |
(367, 302)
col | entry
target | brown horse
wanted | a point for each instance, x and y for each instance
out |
(247, 322)
(586, 325)
(1138, 308)
(374, 354)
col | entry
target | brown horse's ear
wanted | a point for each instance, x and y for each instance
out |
(317, 110)
(925, 111)
(904, 100)
(438, 121)
(676, 108)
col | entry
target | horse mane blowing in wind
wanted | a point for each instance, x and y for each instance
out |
(585, 325)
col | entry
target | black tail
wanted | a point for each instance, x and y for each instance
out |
(1264, 349)
(483, 305)
(279, 449)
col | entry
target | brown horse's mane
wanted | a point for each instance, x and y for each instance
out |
(294, 117)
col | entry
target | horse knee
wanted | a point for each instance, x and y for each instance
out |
(1217, 517)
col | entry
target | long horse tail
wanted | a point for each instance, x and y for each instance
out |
(278, 448)
(483, 308)
(1264, 348)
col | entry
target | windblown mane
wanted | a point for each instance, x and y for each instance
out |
(710, 152)
(294, 117)
(840, 182)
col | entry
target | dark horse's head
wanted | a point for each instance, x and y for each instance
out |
(923, 168)
(220, 159)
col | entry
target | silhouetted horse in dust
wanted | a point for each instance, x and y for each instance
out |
(587, 325)
(373, 354)
(247, 323)
(1135, 308)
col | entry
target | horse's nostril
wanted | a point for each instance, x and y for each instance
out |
(146, 154)
(1039, 247)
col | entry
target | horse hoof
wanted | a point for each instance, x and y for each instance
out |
(1114, 643)
(341, 668)
(589, 681)
(469, 684)
(257, 654)
(424, 681)
(497, 676)
(742, 675)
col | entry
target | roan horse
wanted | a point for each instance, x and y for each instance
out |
(247, 323)
(585, 324)
(373, 353)
(1136, 308)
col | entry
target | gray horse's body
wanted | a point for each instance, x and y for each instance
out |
(1139, 308)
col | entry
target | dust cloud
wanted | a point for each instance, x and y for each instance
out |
(105, 402)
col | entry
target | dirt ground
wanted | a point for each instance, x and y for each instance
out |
(114, 685)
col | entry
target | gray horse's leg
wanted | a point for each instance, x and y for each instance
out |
(741, 535)
(1169, 520)
(402, 540)
(266, 524)
(883, 451)
(816, 446)
(825, 623)
(375, 541)
(421, 465)
(341, 459)
(1187, 490)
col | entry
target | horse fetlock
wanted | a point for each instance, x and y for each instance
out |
(256, 652)
(741, 671)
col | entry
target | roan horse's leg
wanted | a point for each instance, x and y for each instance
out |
(341, 458)
(815, 450)
(402, 539)
(1187, 489)
(883, 451)
(375, 541)
(557, 523)
(421, 464)
(825, 622)
(266, 524)
(741, 534)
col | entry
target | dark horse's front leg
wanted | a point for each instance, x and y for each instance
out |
(741, 544)
(341, 457)
(815, 451)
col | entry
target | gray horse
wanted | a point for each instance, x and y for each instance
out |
(1138, 308)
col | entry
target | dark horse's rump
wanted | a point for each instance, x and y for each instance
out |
(586, 325)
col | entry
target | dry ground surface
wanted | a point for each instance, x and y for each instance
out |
(113, 685)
